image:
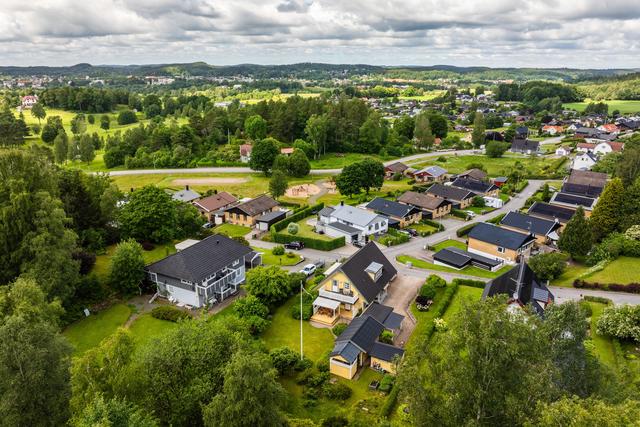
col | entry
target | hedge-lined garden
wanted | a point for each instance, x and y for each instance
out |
(309, 242)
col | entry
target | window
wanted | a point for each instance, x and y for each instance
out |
(346, 285)
(186, 282)
(377, 225)
(500, 249)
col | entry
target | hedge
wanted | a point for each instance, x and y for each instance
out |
(460, 214)
(463, 231)
(601, 300)
(632, 288)
(386, 409)
(496, 219)
(469, 282)
(309, 242)
(170, 313)
(432, 223)
(297, 216)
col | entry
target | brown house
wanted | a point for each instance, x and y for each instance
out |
(479, 187)
(246, 213)
(395, 168)
(211, 207)
(477, 174)
(459, 197)
(434, 206)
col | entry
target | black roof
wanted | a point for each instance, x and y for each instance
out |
(385, 352)
(343, 227)
(522, 285)
(355, 267)
(450, 192)
(201, 260)
(499, 236)
(391, 208)
(545, 210)
(574, 199)
(474, 185)
(460, 258)
(535, 225)
(385, 315)
(270, 216)
(524, 145)
(363, 331)
(585, 183)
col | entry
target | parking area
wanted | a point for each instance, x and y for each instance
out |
(401, 293)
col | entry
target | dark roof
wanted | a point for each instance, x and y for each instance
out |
(522, 130)
(474, 185)
(460, 258)
(201, 260)
(545, 210)
(585, 183)
(421, 200)
(257, 206)
(524, 145)
(270, 216)
(343, 227)
(522, 285)
(385, 315)
(391, 208)
(355, 267)
(363, 331)
(495, 235)
(535, 225)
(477, 174)
(385, 352)
(346, 350)
(397, 167)
(451, 193)
(573, 199)
(215, 201)
(326, 211)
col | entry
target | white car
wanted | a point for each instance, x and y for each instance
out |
(470, 214)
(308, 269)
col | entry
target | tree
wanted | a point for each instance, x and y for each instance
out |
(127, 117)
(87, 153)
(439, 124)
(113, 412)
(316, 129)
(621, 322)
(606, 216)
(576, 239)
(309, 150)
(372, 174)
(631, 206)
(263, 155)
(477, 135)
(150, 214)
(269, 284)
(250, 395)
(628, 168)
(127, 267)
(405, 126)
(105, 122)
(250, 306)
(38, 112)
(370, 134)
(78, 124)
(255, 127)
(51, 129)
(34, 358)
(299, 164)
(422, 132)
(13, 130)
(548, 266)
(61, 147)
(349, 181)
(546, 193)
(496, 149)
(278, 184)
(572, 411)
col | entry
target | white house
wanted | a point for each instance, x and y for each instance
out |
(584, 161)
(29, 101)
(607, 147)
(355, 224)
(245, 153)
(563, 151)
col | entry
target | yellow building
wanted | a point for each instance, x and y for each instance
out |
(246, 213)
(499, 243)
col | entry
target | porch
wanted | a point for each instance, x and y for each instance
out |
(325, 311)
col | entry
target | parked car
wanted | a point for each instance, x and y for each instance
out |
(295, 245)
(308, 269)
(319, 263)
(207, 225)
(470, 214)
(357, 244)
(405, 232)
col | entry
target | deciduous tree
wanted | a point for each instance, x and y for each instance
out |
(278, 184)
(606, 216)
(127, 267)
(263, 155)
(477, 135)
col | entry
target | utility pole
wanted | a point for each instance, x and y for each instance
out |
(301, 343)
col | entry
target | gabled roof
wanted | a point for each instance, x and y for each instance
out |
(215, 201)
(185, 195)
(498, 236)
(385, 352)
(545, 210)
(573, 199)
(524, 145)
(257, 206)
(521, 285)
(353, 215)
(434, 171)
(397, 167)
(354, 268)
(423, 201)
(362, 336)
(451, 193)
(385, 315)
(477, 174)
(201, 260)
(459, 258)
(615, 146)
(585, 183)
(391, 208)
(473, 185)
(528, 223)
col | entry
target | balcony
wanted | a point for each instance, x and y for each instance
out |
(338, 296)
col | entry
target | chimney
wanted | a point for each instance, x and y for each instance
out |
(186, 187)
(215, 191)
(131, 190)
(341, 202)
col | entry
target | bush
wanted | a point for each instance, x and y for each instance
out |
(386, 337)
(309, 242)
(548, 266)
(170, 313)
(427, 291)
(297, 216)
(479, 202)
(586, 308)
(601, 300)
(293, 228)
(432, 223)
(284, 360)
(436, 281)
(339, 328)
(127, 117)
(338, 391)
(459, 214)
(335, 421)
(621, 322)
(390, 402)
(463, 231)
(250, 306)
(317, 380)
(307, 311)
(386, 383)
(469, 282)
(496, 219)
(278, 250)
(147, 245)
(255, 324)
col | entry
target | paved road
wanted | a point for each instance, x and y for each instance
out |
(572, 294)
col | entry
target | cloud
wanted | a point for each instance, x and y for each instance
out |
(581, 33)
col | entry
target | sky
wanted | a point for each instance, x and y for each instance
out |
(496, 33)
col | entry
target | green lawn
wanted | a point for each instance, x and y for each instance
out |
(495, 167)
(427, 96)
(337, 160)
(615, 104)
(269, 258)
(89, 332)
(145, 328)
(423, 228)
(469, 271)
(450, 242)
(305, 230)
(464, 293)
(232, 230)
(623, 270)
(103, 261)
(603, 346)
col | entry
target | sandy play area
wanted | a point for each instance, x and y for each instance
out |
(208, 181)
(303, 190)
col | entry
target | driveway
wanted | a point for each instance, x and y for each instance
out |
(402, 291)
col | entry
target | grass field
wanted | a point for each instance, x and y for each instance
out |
(269, 258)
(335, 161)
(450, 242)
(305, 230)
(428, 96)
(623, 270)
(89, 332)
(602, 344)
(103, 261)
(469, 271)
(464, 293)
(615, 104)
(232, 230)
(495, 167)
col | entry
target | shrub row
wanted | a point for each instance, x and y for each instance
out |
(469, 282)
(297, 216)
(496, 219)
(601, 300)
(170, 313)
(463, 231)
(632, 288)
(437, 225)
(309, 242)
(459, 213)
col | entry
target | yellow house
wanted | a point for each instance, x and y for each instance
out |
(350, 287)
(499, 243)
(246, 213)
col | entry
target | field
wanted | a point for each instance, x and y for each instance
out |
(232, 230)
(428, 96)
(623, 270)
(624, 107)
(89, 332)
(495, 167)
(468, 271)
(101, 267)
(335, 161)
(450, 242)
(269, 258)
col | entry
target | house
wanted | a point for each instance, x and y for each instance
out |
(265, 221)
(187, 195)
(206, 272)
(400, 215)
(477, 174)
(352, 223)
(287, 151)
(397, 168)
(431, 206)
(525, 146)
(584, 161)
(522, 288)
(585, 183)
(350, 287)
(499, 243)
(478, 187)
(28, 101)
(544, 230)
(574, 201)
(522, 132)
(610, 128)
(563, 151)
(459, 259)
(359, 346)
(607, 147)
(551, 212)
(245, 152)
(212, 207)
(499, 181)
(585, 147)
(552, 130)
(246, 213)
(459, 197)
(430, 174)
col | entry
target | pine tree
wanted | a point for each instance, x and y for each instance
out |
(606, 217)
(576, 239)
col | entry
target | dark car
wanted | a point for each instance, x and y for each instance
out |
(294, 245)
(412, 232)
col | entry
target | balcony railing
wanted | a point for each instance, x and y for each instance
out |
(337, 296)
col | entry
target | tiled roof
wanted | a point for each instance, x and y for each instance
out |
(215, 201)
(391, 208)
(498, 236)
(422, 200)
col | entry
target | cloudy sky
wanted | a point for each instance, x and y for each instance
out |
(499, 33)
